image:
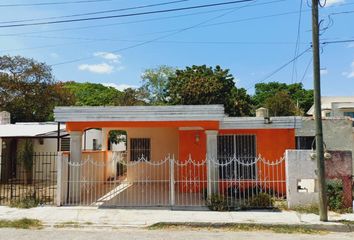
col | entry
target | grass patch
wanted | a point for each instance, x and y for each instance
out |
(24, 223)
(290, 229)
(69, 224)
(313, 208)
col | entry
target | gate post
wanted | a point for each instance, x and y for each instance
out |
(172, 180)
(211, 154)
(75, 170)
(59, 177)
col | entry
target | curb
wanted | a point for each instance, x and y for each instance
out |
(336, 227)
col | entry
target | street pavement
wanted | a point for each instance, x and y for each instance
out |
(130, 234)
(140, 218)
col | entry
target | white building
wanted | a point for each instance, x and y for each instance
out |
(335, 107)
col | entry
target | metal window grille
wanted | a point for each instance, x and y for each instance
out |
(305, 142)
(239, 147)
(65, 144)
(140, 148)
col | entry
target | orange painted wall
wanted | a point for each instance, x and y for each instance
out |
(186, 174)
(271, 145)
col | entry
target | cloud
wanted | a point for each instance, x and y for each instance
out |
(120, 87)
(324, 71)
(351, 45)
(333, 2)
(54, 55)
(108, 56)
(349, 74)
(102, 68)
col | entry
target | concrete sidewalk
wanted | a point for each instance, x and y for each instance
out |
(139, 218)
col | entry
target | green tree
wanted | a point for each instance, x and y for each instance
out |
(300, 96)
(281, 104)
(131, 97)
(154, 83)
(28, 89)
(241, 104)
(203, 85)
(93, 94)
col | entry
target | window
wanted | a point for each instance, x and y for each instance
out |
(349, 114)
(243, 147)
(140, 147)
(65, 144)
(94, 144)
(305, 142)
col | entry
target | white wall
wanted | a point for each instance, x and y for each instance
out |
(90, 135)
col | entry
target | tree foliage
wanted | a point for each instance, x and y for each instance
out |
(280, 104)
(154, 83)
(28, 89)
(298, 95)
(93, 94)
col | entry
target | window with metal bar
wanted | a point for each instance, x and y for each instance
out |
(237, 155)
(140, 148)
(305, 142)
(65, 144)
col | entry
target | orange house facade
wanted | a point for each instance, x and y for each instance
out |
(173, 156)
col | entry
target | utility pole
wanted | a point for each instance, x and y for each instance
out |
(318, 117)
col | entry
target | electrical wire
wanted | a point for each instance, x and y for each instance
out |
(98, 12)
(163, 18)
(126, 15)
(53, 3)
(158, 38)
(280, 68)
(296, 51)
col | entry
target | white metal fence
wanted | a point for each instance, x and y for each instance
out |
(115, 182)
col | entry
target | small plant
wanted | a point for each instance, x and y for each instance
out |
(217, 203)
(26, 202)
(262, 200)
(26, 157)
(335, 195)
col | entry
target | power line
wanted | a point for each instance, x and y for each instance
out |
(162, 18)
(158, 38)
(126, 15)
(281, 67)
(97, 12)
(52, 3)
(294, 71)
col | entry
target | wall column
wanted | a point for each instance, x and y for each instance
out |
(75, 169)
(212, 169)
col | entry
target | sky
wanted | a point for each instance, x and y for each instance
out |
(253, 39)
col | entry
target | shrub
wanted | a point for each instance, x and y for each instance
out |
(262, 200)
(217, 203)
(335, 195)
(28, 201)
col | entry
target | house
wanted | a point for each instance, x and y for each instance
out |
(335, 107)
(174, 156)
(19, 177)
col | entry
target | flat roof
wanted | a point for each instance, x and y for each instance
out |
(28, 129)
(139, 113)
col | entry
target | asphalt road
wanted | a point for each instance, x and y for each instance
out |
(122, 234)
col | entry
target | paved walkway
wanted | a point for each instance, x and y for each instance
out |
(139, 218)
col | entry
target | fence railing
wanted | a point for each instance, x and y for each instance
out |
(36, 178)
(170, 182)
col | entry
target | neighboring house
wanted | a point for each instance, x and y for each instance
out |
(338, 124)
(338, 134)
(45, 141)
(335, 107)
(206, 152)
